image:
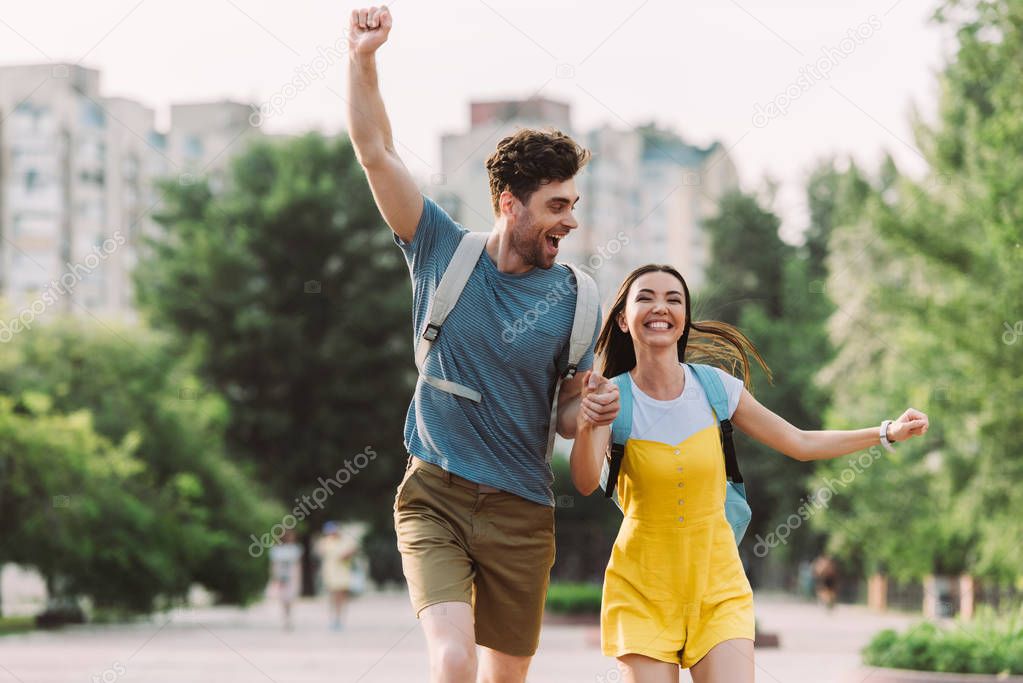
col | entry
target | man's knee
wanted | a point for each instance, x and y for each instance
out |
(498, 667)
(454, 661)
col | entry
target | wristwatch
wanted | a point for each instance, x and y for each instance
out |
(884, 435)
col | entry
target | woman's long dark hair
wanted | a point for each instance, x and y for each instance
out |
(705, 341)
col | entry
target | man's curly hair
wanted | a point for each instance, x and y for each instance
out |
(530, 158)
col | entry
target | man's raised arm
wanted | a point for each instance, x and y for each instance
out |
(394, 190)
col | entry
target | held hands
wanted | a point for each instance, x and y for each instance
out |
(598, 404)
(911, 423)
(368, 29)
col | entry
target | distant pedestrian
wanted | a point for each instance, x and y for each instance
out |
(286, 573)
(825, 573)
(336, 551)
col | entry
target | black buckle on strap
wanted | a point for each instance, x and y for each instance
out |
(431, 332)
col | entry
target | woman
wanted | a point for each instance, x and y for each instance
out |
(675, 593)
(336, 551)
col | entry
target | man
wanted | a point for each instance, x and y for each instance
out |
(474, 513)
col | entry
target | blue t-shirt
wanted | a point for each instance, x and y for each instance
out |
(507, 337)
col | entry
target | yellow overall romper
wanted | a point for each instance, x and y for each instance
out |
(674, 587)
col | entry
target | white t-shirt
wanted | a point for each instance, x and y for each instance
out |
(674, 421)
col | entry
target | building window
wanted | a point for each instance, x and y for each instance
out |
(92, 115)
(193, 147)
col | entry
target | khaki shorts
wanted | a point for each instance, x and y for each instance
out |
(490, 549)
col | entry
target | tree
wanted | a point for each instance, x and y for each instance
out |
(289, 287)
(942, 281)
(765, 287)
(111, 421)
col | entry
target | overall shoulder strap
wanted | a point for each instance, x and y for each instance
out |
(621, 428)
(444, 299)
(718, 399)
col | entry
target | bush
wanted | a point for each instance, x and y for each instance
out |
(574, 598)
(585, 529)
(114, 474)
(990, 644)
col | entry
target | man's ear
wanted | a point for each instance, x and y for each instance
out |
(508, 204)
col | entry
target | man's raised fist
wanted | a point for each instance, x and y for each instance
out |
(368, 29)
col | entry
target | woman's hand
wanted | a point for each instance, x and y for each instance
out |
(598, 408)
(598, 402)
(911, 423)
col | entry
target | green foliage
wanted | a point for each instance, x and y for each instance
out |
(768, 289)
(114, 471)
(11, 625)
(585, 528)
(78, 517)
(747, 258)
(291, 290)
(986, 645)
(928, 280)
(574, 598)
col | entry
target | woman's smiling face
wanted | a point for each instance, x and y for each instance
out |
(655, 310)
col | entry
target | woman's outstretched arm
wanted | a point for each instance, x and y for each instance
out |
(774, 431)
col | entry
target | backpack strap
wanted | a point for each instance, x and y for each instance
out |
(621, 428)
(587, 307)
(444, 299)
(718, 398)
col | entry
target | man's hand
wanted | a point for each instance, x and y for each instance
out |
(368, 29)
(598, 405)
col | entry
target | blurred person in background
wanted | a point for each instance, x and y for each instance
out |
(286, 573)
(825, 574)
(336, 551)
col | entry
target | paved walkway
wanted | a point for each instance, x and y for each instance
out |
(381, 643)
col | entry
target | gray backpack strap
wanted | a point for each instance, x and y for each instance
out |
(587, 308)
(444, 299)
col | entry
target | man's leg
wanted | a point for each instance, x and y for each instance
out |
(498, 667)
(514, 549)
(432, 520)
(450, 640)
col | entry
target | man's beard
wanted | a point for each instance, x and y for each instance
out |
(528, 244)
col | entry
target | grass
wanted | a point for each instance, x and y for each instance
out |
(10, 625)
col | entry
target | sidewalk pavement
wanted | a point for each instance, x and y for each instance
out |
(381, 642)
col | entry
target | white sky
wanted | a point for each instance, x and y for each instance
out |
(698, 67)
